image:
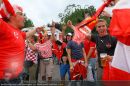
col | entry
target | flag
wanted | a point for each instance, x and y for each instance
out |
(79, 36)
(120, 28)
(58, 51)
(6, 9)
(87, 25)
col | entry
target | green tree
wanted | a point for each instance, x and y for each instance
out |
(76, 14)
(28, 22)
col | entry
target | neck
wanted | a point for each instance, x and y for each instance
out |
(104, 34)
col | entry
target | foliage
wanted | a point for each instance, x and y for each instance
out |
(76, 14)
(28, 22)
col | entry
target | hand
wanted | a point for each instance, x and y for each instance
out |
(109, 58)
(39, 29)
(52, 30)
(69, 23)
(86, 64)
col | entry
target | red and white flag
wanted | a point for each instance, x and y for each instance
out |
(7, 9)
(120, 28)
(87, 24)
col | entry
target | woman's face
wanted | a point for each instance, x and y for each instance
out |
(45, 37)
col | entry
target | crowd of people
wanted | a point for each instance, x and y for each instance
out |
(24, 56)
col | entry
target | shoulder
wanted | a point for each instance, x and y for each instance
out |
(69, 42)
(94, 35)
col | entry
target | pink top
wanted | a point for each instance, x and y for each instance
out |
(45, 49)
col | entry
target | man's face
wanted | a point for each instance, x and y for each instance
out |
(45, 37)
(68, 37)
(101, 28)
(20, 19)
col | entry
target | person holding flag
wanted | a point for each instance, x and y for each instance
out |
(120, 28)
(83, 30)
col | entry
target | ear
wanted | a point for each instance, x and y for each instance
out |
(12, 18)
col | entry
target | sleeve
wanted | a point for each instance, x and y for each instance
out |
(93, 38)
(114, 41)
(23, 34)
(92, 44)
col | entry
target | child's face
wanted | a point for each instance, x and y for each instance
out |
(64, 58)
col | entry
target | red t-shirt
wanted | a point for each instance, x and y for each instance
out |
(12, 47)
(58, 52)
(87, 45)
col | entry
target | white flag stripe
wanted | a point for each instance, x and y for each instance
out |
(127, 53)
(121, 4)
(5, 10)
(121, 58)
(88, 29)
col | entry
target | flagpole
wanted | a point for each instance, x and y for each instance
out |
(98, 12)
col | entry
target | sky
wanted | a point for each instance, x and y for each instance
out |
(42, 12)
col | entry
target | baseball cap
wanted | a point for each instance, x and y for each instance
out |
(69, 34)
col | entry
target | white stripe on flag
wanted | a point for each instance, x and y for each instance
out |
(121, 59)
(122, 4)
(5, 10)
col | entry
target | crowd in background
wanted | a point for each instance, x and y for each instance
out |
(42, 50)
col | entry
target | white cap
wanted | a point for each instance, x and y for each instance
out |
(69, 34)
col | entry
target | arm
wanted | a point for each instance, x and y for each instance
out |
(90, 52)
(32, 32)
(69, 24)
(69, 57)
(31, 45)
(63, 30)
(53, 32)
(85, 58)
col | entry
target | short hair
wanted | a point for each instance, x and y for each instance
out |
(58, 42)
(101, 20)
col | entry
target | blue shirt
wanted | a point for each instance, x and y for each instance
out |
(76, 49)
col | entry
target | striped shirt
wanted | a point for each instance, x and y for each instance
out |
(45, 49)
(30, 54)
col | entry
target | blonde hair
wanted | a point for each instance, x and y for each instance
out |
(101, 20)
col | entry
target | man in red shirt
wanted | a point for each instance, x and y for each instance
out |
(12, 42)
(90, 50)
